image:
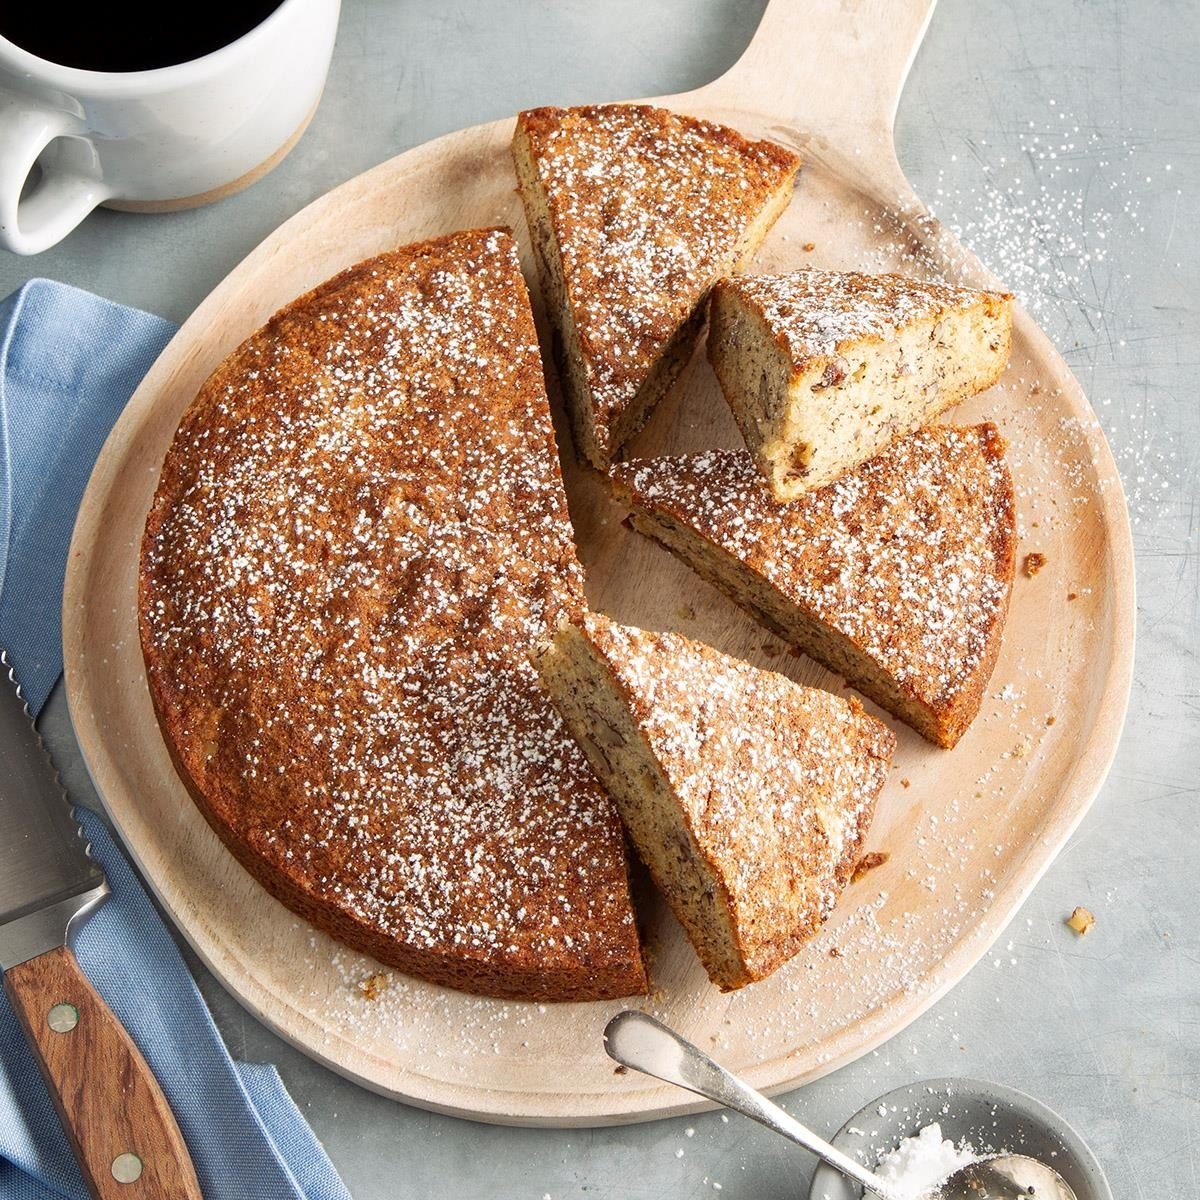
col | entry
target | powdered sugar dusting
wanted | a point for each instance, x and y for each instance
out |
(648, 207)
(819, 312)
(1045, 224)
(776, 783)
(870, 554)
(360, 531)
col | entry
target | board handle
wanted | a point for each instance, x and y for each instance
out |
(117, 1119)
(834, 68)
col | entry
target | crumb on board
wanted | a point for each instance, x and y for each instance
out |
(1081, 920)
(627, 521)
(1034, 562)
(686, 612)
(621, 1070)
(1072, 596)
(809, 247)
(373, 986)
(1050, 720)
(834, 952)
(906, 783)
(868, 862)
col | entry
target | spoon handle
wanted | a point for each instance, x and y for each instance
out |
(639, 1041)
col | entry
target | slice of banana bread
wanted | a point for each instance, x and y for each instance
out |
(822, 369)
(746, 795)
(897, 576)
(634, 213)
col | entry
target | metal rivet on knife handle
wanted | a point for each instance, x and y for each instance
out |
(62, 1018)
(126, 1168)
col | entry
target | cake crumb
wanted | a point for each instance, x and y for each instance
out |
(373, 986)
(1034, 562)
(868, 862)
(1081, 920)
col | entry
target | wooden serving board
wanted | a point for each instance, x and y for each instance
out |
(968, 831)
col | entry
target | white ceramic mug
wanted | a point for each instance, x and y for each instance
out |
(155, 141)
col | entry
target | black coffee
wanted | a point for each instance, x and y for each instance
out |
(100, 36)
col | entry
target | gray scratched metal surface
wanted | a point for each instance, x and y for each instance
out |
(1107, 1028)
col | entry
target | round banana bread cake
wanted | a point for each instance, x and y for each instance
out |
(359, 531)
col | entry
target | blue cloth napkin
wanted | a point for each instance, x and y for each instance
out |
(68, 363)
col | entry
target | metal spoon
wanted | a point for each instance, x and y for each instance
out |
(1005, 1177)
(637, 1040)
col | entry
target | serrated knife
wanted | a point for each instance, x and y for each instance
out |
(118, 1120)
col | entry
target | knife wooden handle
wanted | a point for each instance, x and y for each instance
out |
(120, 1125)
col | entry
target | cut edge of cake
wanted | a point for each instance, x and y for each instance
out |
(822, 369)
(598, 436)
(739, 936)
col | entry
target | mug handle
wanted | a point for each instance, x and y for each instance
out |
(71, 184)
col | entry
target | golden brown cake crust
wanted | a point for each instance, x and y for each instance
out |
(910, 557)
(359, 530)
(647, 208)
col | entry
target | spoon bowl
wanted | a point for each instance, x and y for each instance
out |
(1004, 1177)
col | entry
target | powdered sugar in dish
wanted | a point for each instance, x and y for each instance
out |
(921, 1162)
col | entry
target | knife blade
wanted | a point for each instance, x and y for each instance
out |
(116, 1117)
(48, 878)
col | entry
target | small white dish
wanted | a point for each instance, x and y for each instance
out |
(988, 1116)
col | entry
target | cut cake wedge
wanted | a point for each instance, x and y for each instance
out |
(897, 576)
(823, 369)
(634, 213)
(746, 795)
